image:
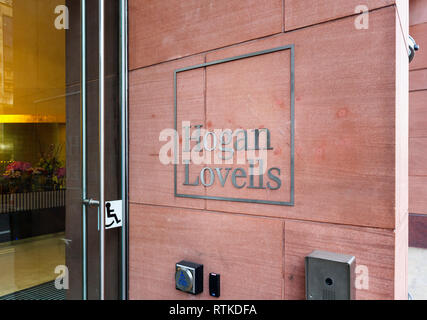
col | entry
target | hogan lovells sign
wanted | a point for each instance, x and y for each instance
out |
(242, 154)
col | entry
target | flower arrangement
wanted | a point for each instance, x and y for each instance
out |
(47, 175)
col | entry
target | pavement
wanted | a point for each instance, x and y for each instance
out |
(417, 273)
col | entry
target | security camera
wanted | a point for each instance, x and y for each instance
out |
(413, 46)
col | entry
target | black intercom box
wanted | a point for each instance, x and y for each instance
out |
(214, 285)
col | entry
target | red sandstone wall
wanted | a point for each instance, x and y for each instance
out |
(350, 143)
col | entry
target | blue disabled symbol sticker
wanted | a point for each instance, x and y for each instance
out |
(182, 280)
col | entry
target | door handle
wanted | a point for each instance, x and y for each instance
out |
(91, 202)
(101, 108)
(83, 134)
(101, 81)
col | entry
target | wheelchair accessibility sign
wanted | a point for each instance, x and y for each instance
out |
(113, 214)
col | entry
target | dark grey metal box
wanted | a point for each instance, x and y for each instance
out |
(329, 276)
(189, 277)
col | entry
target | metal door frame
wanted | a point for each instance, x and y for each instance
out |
(123, 98)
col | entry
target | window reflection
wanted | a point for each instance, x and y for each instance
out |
(32, 144)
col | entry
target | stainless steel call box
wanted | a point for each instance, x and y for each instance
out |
(329, 276)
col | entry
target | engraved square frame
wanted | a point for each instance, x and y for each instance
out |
(291, 202)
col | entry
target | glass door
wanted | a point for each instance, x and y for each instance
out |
(63, 142)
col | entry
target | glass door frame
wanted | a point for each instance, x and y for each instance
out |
(123, 105)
